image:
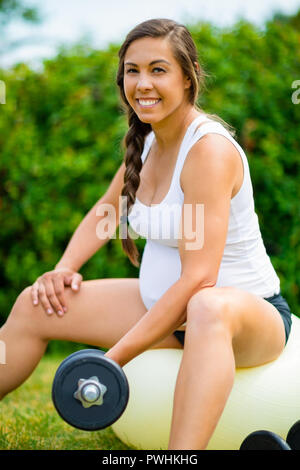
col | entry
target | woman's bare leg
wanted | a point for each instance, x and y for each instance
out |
(226, 328)
(99, 314)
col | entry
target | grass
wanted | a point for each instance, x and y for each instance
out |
(29, 421)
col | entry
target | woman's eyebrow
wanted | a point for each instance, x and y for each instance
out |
(151, 63)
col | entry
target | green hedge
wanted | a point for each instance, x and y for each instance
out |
(60, 145)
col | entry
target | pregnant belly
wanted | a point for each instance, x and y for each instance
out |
(160, 269)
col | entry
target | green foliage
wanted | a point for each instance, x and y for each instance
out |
(60, 145)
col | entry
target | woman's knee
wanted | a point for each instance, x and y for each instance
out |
(210, 307)
(24, 314)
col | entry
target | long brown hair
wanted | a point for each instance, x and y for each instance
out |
(185, 52)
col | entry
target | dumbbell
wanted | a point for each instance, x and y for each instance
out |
(264, 440)
(293, 436)
(267, 440)
(90, 391)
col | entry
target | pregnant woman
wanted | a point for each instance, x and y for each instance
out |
(206, 283)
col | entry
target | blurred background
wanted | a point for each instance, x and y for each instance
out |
(61, 124)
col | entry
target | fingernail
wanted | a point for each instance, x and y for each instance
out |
(65, 309)
(35, 302)
(60, 312)
(75, 286)
(49, 310)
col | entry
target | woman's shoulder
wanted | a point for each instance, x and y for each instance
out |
(211, 155)
(211, 148)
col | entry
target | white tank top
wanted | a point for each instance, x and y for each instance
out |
(245, 263)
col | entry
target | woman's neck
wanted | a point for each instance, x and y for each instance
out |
(171, 130)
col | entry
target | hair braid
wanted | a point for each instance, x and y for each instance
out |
(134, 141)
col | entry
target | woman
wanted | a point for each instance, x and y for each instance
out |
(218, 296)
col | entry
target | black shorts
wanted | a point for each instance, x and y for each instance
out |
(279, 302)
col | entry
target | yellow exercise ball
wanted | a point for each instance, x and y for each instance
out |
(265, 397)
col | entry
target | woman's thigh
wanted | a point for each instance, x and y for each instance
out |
(256, 326)
(100, 314)
(258, 329)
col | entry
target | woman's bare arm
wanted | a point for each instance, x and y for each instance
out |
(85, 241)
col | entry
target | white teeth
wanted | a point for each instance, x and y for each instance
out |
(148, 102)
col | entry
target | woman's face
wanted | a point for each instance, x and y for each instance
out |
(154, 83)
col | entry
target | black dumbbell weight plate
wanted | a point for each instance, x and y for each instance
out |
(293, 437)
(83, 365)
(264, 440)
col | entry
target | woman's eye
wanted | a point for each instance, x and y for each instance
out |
(159, 69)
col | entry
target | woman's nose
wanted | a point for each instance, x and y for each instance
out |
(144, 82)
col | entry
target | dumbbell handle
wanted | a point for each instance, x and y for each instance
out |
(90, 392)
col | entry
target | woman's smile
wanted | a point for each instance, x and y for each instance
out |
(148, 102)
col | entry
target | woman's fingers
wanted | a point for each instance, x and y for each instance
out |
(49, 290)
(47, 294)
(35, 293)
(44, 300)
(76, 281)
(58, 295)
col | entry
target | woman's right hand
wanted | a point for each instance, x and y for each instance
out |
(49, 289)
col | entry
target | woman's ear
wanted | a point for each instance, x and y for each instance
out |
(188, 79)
(187, 83)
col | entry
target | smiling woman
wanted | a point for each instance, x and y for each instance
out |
(214, 282)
